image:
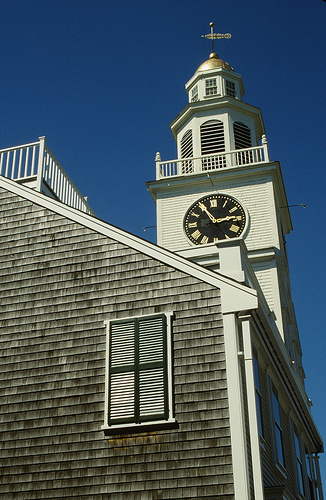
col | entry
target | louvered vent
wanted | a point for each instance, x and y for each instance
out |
(187, 152)
(242, 140)
(242, 136)
(212, 141)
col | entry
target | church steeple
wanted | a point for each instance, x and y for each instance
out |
(223, 188)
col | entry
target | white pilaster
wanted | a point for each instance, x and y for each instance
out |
(252, 410)
(237, 422)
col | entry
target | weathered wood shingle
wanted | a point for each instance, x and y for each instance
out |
(59, 282)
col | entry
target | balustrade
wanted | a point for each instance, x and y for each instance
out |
(35, 164)
(239, 157)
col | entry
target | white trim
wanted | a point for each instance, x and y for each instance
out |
(252, 410)
(237, 422)
(169, 374)
(235, 296)
(135, 427)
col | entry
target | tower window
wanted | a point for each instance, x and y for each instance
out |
(187, 152)
(212, 141)
(211, 86)
(194, 94)
(230, 88)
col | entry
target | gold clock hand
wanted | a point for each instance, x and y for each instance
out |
(204, 209)
(228, 217)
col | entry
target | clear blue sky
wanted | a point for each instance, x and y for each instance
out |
(103, 79)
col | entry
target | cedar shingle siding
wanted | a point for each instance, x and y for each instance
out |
(59, 282)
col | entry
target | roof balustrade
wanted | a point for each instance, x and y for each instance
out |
(35, 166)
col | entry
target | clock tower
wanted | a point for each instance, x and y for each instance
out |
(223, 194)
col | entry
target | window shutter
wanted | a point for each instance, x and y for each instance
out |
(151, 367)
(137, 370)
(122, 362)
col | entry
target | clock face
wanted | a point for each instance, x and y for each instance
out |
(213, 218)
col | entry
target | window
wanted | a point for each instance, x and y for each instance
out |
(187, 152)
(311, 475)
(230, 88)
(139, 371)
(194, 94)
(258, 394)
(277, 429)
(212, 141)
(298, 463)
(211, 86)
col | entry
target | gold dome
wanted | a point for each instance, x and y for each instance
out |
(214, 62)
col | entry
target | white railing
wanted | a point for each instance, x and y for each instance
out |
(238, 157)
(35, 162)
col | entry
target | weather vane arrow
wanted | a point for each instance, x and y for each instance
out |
(215, 36)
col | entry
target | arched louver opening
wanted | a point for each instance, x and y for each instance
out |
(187, 152)
(242, 140)
(212, 141)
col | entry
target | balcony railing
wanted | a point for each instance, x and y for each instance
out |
(236, 158)
(34, 165)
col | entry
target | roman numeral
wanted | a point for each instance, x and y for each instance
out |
(194, 214)
(204, 239)
(213, 202)
(233, 209)
(192, 224)
(234, 228)
(196, 235)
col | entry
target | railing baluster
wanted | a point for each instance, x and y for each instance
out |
(26, 162)
(13, 164)
(7, 165)
(33, 160)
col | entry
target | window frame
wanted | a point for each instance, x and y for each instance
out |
(210, 87)
(277, 431)
(258, 395)
(230, 89)
(194, 94)
(299, 464)
(132, 424)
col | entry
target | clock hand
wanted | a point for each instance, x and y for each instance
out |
(204, 209)
(222, 219)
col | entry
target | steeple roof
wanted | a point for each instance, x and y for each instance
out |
(214, 62)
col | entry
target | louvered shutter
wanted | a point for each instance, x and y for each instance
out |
(122, 369)
(138, 385)
(212, 141)
(242, 140)
(187, 152)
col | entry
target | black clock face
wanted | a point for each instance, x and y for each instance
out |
(213, 218)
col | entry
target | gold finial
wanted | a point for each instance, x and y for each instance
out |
(214, 36)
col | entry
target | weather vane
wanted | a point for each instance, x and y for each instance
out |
(214, 36)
